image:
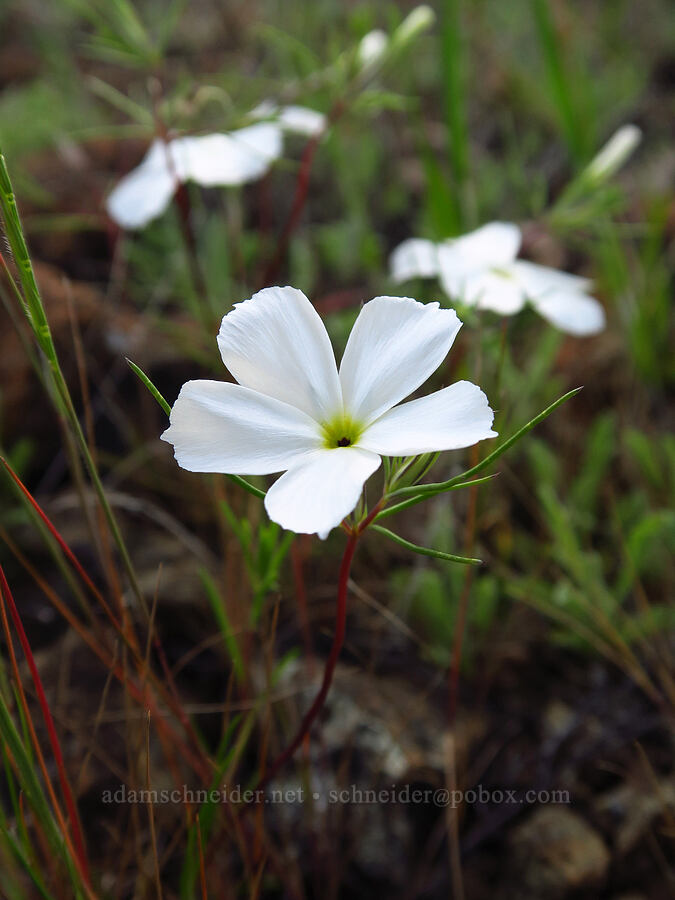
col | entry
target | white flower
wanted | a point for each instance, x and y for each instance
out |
(292, 411)
(212, 159)
(615, 153)
(299, 119)
(481, 270)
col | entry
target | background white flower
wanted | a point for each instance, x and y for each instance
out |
(209, 160)
(298, 119)
(480, 269)
(292, 411)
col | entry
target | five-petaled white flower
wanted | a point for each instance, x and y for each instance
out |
(480, 269)
(209, 160)
(292, 411)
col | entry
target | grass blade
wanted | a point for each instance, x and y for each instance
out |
(69, 800)
(452, 62)
(37, 318)
(560, 83)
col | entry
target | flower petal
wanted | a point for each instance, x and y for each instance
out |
(492, 246)
(457, 416)
(414, 258)
(145, 192)
(228, 159)
(276, 343)
(537, 281)
(395, 345)
(572, 311)
(300, 119)
(222, 427)
(316, 494)
(494, 290)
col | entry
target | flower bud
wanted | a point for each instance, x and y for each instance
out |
(372, 47)
(421, 18)
(615, 153)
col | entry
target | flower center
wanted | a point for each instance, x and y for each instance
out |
(341, 431)
(502, 273)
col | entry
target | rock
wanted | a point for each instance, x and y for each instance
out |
(379, 742)
(554, 852)
(631, 809)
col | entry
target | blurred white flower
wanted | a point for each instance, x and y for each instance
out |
(377, 45)
(212, 159)
(615, 153)
(299, 119)
(480, 269)
(372, 47)
(292, 411)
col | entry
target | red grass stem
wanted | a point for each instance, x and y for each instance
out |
(173, 702)
(51, 731)
(62, 544)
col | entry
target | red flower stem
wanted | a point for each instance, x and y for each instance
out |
(298, 556)
(300, 198)
(78, 839)
(463, 607)
(184, 207)
(338, 641)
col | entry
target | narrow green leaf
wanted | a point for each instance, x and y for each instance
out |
(150, 386)
(237, 479)
(425, 551)
(122, 102)
(441, 486)
(247, 486)
(226, 630)
(418, 498)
